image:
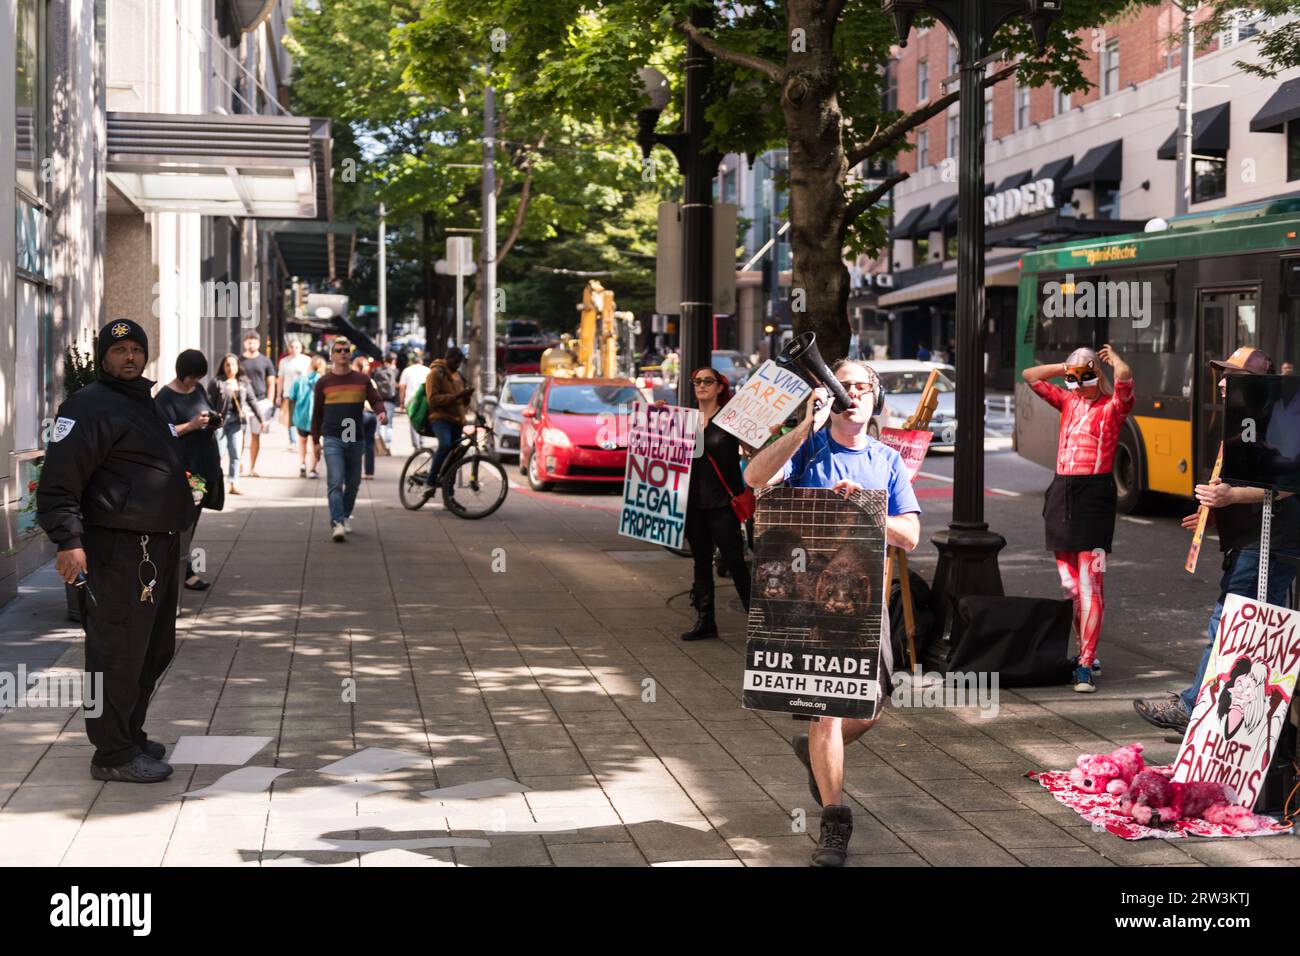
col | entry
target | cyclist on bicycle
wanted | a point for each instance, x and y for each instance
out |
(448, 396)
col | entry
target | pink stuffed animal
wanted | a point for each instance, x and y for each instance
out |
(1153, 799)
(1112, 772)
(1150, 795)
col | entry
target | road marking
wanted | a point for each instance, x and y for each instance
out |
(1003, 491)
(929, 474)
(1137, 520)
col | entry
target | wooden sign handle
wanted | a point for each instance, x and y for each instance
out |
(1202, 519)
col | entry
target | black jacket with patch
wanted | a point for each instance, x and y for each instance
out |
(117, 465)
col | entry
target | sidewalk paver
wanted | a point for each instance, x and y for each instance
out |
(536, 646)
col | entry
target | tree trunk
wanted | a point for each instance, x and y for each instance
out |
(819, 289)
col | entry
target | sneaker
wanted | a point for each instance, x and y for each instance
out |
(339, 533)
(140, 769)
(800, 745)
(347, 524)
(153, 749)
(1167, 714)
(313, 474)
(1096, 667)
(1083, 682)
(837, 829)
(302, 471)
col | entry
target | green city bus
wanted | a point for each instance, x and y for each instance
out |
(1168, 301)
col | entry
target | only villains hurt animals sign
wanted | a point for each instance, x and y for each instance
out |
(661, 445)
(1244, 699)
(769, 397)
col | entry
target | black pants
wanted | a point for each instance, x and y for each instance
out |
(707, 527)
(128, 641)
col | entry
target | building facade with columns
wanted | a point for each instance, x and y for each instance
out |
(154, 172)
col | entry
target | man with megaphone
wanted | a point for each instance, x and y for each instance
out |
(844, 458)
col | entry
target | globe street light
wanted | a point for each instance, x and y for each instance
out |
(968, 550)
(698, 166)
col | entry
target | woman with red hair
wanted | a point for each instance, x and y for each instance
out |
(710, 520)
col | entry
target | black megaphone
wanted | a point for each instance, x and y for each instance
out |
(802, 357)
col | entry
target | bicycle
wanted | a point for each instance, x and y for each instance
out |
(472, 481)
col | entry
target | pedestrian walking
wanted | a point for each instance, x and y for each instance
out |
(710, 519)
(844, 458)
(385, 377)
(114, 498)
(301, 395)
(293, 364)
(1079, 507)
(369, 424)
(412, 378)
(1237, 513)
(260, 374)
(336, 422)
(448, 398)
(185, 403)
(232, 397)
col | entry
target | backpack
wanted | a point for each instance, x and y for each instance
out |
(418, 411)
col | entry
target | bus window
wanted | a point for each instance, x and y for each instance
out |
(1141, 318)
(1058, 331)
(1290, 312)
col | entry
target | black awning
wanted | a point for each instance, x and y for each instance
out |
(1014, 181)
(1056, 169)
(1282, 106)
(1209, 134)
(313, 250)
(1101, 164)
(906, 228)
(940, 214)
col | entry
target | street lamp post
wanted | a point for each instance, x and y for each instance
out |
(968, 550)
(699, 165)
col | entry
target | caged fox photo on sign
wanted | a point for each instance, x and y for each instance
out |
(816, 624)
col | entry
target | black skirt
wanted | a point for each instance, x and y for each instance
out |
(1079, 512)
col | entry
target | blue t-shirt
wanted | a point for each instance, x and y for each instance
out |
(822, 461)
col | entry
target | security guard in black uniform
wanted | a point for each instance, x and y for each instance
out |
(114, 497)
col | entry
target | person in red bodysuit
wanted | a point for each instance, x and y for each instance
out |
(1079, 507)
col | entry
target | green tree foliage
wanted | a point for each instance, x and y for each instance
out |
(802, 74)
(1279, 36)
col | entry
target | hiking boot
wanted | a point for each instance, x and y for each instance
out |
(800, 745)
(837, 828)
(1167, 714)
(704, 627)
(140, 769)
(1083, 682)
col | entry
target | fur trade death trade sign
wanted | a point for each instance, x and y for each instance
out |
(660, 447)
(1244, 699)
(768, 398)
(816, 627)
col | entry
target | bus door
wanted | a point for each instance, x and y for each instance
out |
(1226, 320)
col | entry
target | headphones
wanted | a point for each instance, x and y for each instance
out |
(876, 390)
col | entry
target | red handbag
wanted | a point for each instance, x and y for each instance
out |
(743, 504)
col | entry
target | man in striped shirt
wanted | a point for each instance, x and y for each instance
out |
(336, 424)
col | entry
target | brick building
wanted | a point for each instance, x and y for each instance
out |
(1061, 167)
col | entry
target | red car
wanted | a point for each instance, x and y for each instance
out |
(575, 429)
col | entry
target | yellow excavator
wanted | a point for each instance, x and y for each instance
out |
(603, 346)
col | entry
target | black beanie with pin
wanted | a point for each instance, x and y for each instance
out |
(120, 330)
